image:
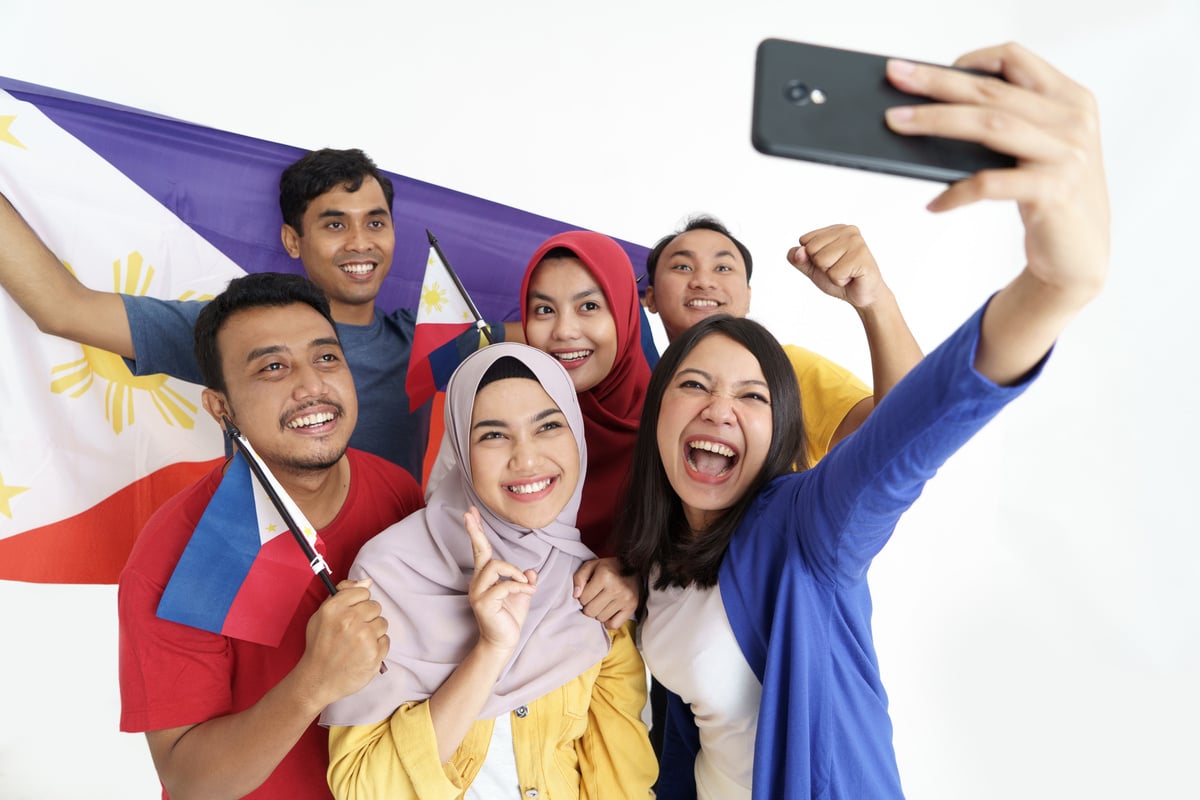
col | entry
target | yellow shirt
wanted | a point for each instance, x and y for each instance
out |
(585, 740)
(827, 393)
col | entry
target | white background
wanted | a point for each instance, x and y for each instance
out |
(1037, 615)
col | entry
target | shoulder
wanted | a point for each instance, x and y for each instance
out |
(381, 478)
(168, 530)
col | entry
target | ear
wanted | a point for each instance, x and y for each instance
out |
(217, 405)
(648, 300)
(291, 240)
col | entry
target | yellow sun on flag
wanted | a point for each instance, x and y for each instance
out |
(8, 493)
(76, 377)
(6, 135)
(433, 297)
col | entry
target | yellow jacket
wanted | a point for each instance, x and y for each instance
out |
(585, 740)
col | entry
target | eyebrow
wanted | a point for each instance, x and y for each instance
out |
(337, 212)
(708, 377)
(271, 349)
(692, 253)
(577, 296)
(499, 423)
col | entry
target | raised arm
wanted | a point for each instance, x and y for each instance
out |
(52, 297)
(1050, 124)
(838, 262)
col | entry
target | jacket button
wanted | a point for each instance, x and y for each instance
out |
(531, 792)
(522, 712)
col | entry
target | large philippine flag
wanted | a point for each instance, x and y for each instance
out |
(139, 203)
(242, 573)
(442, 315)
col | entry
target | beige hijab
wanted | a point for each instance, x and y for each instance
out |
(422, 566)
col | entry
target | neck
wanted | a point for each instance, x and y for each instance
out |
(352, 314)
(320, 494)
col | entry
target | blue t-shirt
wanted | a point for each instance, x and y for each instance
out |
(378, 354)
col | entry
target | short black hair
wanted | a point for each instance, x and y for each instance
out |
(702, 222)
(320, 171)
(256, 290)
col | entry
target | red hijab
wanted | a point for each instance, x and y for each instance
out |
(611, 408)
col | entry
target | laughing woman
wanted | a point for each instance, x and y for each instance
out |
(758, 611)
(496, 685)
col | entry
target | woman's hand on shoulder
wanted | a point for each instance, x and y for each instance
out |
(605, 594)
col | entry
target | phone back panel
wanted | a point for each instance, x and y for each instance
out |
(826, 105)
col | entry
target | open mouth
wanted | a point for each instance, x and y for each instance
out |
(358, 268)
(315, 420)
(709, 458)
(529, 488)
(570, 357)
(703, 304)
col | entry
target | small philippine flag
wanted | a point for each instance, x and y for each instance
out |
(242, 573)
(443, 315)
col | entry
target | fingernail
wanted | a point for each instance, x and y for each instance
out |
(900, 67)
(899, 114)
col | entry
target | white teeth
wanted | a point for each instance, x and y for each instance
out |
(713, 447)
(529, 488)
(701, 303)
(357, 269)
(311, 419)
(573, 356)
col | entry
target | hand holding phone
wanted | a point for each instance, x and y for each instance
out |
(827, 105)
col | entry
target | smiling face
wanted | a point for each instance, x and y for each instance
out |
(346, 248)
(568, 316)
(287, 386)
(700, 273)
(524, 460)
(714, 427)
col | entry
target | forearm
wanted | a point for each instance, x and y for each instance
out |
(1022, 322)
(894, 349)
(52, 297)
(230, 756)
(455, 706)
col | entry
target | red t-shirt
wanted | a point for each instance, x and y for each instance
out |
(173, 674)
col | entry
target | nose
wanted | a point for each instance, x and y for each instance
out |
(702, 279)
(566, 327)
(359, 239)
(309, 381)
(524, 454)
(718, 410)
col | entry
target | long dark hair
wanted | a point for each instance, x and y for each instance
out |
(656, 534)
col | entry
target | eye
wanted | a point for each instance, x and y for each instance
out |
(552, 425)
(328, 358)
(689, 383)
(757, 396)
(724, 268)
(377, 224)
(682, 267)
(335, 225)
(542, 310)
(590, 305)
(490, 436)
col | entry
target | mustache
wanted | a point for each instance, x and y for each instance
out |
(291, 412)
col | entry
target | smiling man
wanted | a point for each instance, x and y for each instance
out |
(230, 718)
(337, 219)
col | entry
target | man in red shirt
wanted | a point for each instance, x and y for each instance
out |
(230, 718)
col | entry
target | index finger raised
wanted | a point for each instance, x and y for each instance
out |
(481, 548)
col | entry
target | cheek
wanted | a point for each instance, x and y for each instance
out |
(537, 333)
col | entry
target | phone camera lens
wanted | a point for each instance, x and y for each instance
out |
(797, 92)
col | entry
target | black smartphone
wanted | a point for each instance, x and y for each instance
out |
(826, 105)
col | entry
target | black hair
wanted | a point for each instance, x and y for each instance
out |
(702, 222)
(656, 533)
(504, 368)
(256, 290)
(320, 171)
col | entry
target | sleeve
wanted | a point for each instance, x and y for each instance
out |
(827, 393)
(850, 505)
(615, 756)
(170, 674)
(368, 761)
(163, 336)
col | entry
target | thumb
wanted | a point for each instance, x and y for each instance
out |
(582, 576)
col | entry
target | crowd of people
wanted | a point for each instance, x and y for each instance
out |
(618, 581)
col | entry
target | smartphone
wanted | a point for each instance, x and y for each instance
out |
(826, 105)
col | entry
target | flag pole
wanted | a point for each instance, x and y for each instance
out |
(319, 567)
(479, 321)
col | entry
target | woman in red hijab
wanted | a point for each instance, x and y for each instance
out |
(581, 306)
